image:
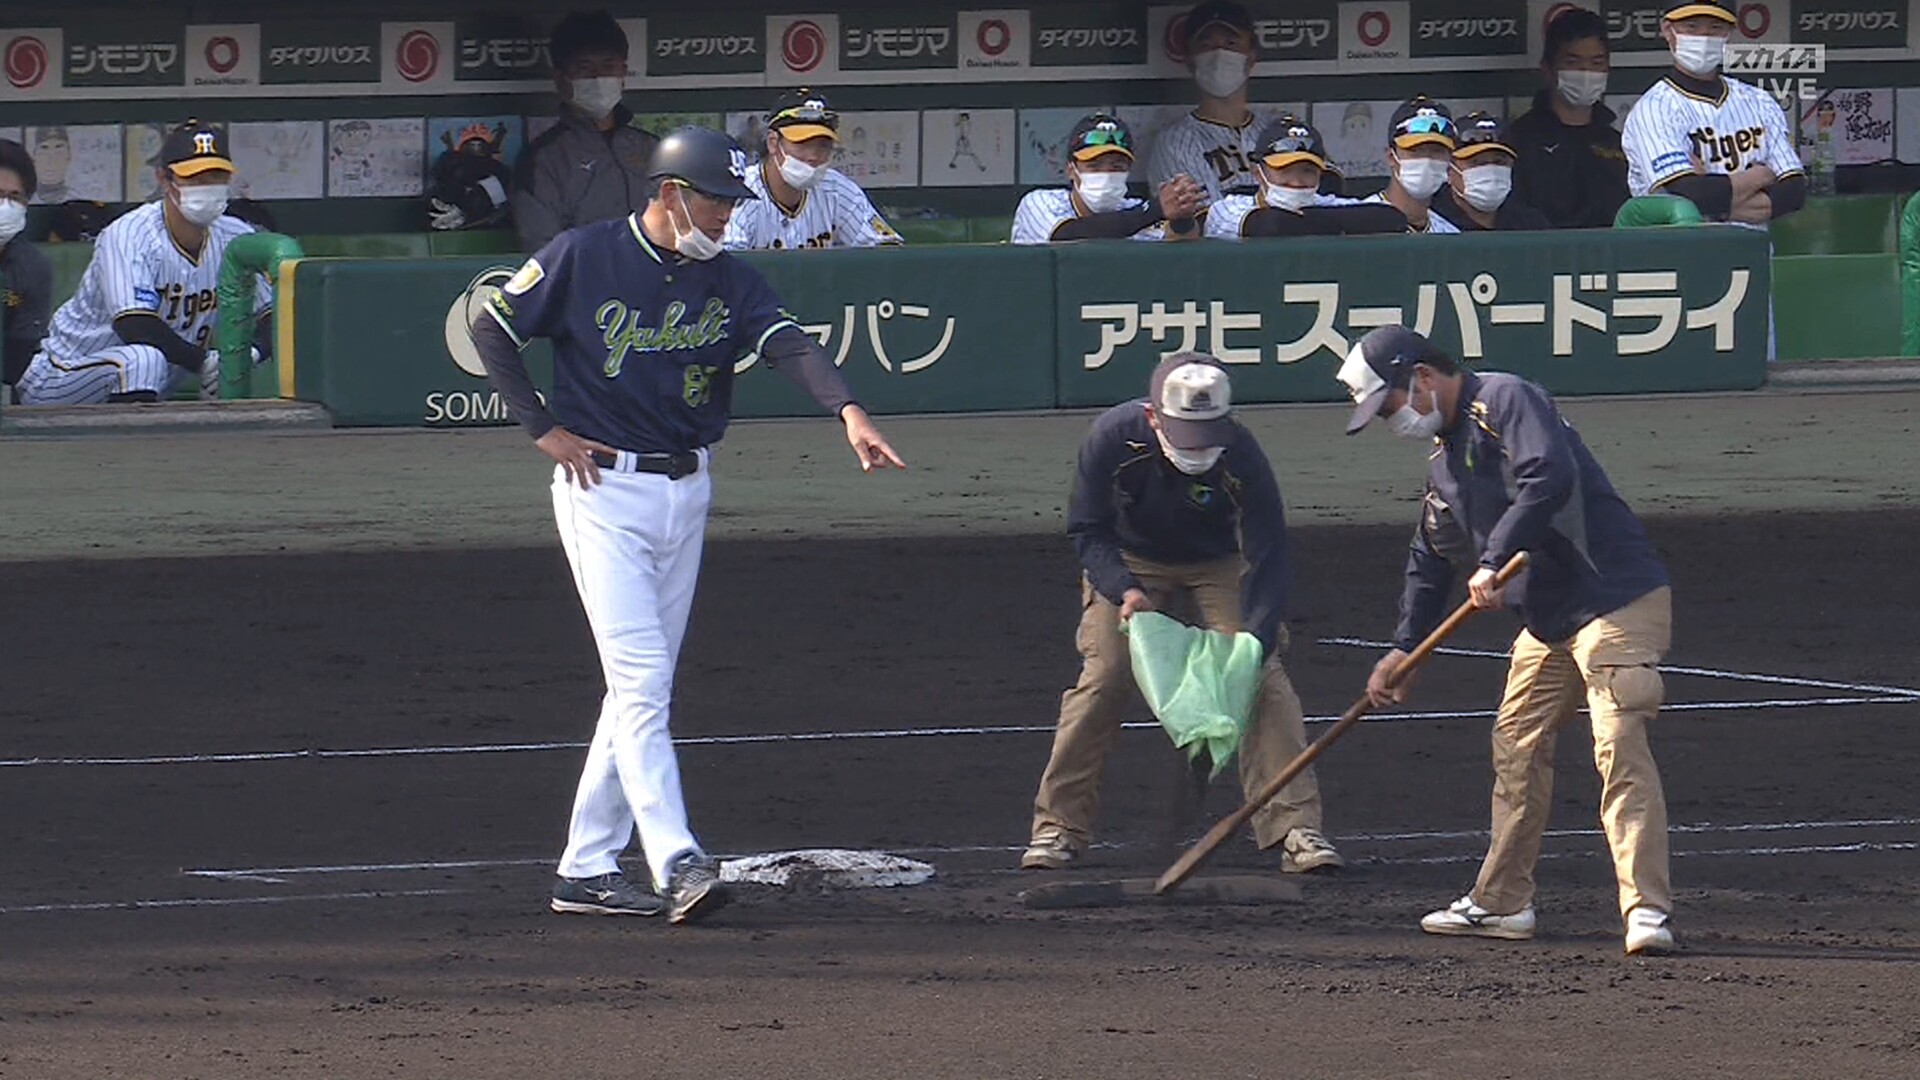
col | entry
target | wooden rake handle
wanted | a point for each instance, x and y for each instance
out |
(1184, 868)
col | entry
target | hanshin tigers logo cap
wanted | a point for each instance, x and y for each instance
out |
(1713, 9)
(194, 148)
(1193, 398)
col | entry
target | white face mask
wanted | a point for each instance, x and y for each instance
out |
(597, 96)
(1410, 423)
(1581, 89)
(691, 242)
(13, 218)
(203, 204)
(1103, 192)
(1487, 186)
(1220, 72)
(1290, 198)
(1191, 462)
(1421, 177)
(1699, 55)
(798, 173)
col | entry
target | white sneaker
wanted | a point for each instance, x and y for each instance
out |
(1305, 850)
(1051, 851)
(1464, 918)
(1649, 931)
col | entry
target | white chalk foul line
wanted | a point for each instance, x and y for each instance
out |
(1675, 669)
(278, 874)
(221, 901)
(840, 736)
(1861, 848)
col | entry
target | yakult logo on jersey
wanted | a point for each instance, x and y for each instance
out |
(623, 331)
(26, 60)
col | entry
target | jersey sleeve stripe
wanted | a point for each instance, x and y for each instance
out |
(771, 330)
(505, 325)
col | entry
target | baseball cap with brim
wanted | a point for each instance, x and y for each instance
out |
(1709, 8)
(1378, 364)
(1098, 135)
(1218, 13)
(1289, 140)
(1478, 133)
(804, 115)
(1193, 398)
(194, 148)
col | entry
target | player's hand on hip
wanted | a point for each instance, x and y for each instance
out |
(574, 455)
(868, 445)
(1135, 600)
(1378, 691)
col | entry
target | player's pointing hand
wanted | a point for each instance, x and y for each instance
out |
(867, 443)
(573, 454)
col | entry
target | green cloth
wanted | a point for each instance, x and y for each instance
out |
(1910, 277)
(1200, 684)
(1653, 210)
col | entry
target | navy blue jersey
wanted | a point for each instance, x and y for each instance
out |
(644, 341)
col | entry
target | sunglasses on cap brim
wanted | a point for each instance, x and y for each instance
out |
(806, 114)
(1104, 138)
(1424, 125)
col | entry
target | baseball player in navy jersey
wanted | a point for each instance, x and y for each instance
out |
(138, 327)
(1214, 144)
(1095, 203)
(1717, 141)
(802, 201)
(1420, 146)
(1291, 168)
(648, 316)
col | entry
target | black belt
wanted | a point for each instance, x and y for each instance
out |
(671, 466)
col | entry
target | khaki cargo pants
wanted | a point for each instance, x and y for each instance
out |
(1612, 663)
(1091, 713)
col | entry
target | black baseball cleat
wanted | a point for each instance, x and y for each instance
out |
(608, 894)
(694, 889)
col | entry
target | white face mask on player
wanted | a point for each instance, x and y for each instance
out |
(1699, 55)
(1220, 72)
(203, 204)
(798, 173)
(13, 219)
(1103, 192)
(690, 241)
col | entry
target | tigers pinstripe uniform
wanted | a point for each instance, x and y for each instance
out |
(1435, 223)
(1218, 157)
(1669, 127)
(136, 266)
(1227, 220)
(834, 213)
(1043, 210)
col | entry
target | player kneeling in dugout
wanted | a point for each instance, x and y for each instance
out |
(1509, 474)
(138, 327)
(1095, 204)
(1290, 165)
(1479, 191)
(1175, 507)
(802, 201)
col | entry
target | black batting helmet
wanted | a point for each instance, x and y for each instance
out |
(705, 160)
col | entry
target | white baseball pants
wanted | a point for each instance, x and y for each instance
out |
(634, 542)
(120, 369)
